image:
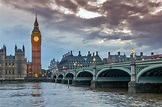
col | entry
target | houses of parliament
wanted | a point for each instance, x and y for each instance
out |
(16, 66)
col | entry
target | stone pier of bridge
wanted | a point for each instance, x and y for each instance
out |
(94, 81)
(132, 84)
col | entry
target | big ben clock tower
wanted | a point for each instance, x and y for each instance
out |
(36, 49)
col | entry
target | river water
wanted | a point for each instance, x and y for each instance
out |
(60, 95)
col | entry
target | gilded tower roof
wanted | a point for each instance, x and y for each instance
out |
(36, 22)
(36, 25)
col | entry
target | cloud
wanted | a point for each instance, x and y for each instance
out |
(120, 24)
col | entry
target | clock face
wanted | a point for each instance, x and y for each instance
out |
(36, 38)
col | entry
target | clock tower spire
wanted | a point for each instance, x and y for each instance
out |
(36, 49)
(36, 25)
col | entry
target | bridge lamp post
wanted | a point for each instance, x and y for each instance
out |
(94, 68)
(94, 61)
(94, 82)
(132, 84)
(56, 76)
(75, 64)
(74, 78)
(63, 68)
(132, 53)
(56, 72)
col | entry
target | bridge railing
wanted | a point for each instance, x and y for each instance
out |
(121, 64)
(152, 61)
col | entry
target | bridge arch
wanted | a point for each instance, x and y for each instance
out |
(68, 77)
(84, 73)
(84, 77)
(60, 76)
(69, 74)
(150, 74)
(54, 77)
(126, 70)
(114, 77)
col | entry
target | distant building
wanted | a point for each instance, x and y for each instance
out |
(53, 67)
(116, 58)
(69, 61)
(12, 67)
(29, 69)
(105, 60)
(139, 57)
(145, 57)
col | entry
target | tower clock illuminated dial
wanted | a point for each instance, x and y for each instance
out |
(36, 38)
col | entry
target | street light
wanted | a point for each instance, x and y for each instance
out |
(132, 51)
(74, 78)
(94, 60)
(75, 63)
(64, 68)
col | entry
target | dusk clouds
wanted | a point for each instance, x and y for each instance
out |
(84, 25)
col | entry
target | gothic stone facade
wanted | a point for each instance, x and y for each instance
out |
(12, 67)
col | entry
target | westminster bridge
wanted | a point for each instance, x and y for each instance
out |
(137, 76)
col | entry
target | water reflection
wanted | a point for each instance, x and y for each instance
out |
(36, 90)
(37, 98)
(50, 94)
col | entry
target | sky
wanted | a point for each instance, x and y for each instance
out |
(82, 25)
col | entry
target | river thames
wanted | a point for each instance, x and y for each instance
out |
(60, 95)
